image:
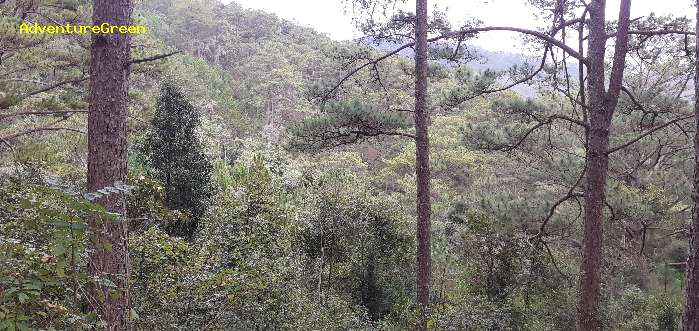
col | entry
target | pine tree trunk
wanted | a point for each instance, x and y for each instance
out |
(109, 73)
(600, 107)
(690, 317)
(422, 168)
(597, 165)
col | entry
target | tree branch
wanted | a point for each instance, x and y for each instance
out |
(549, 120)
(50, 127)
(40, 113)
(59, 84)
(533, 33)
(647, 133)
(154, 58)
(46, 128)
(460, 34)
(656, 32)
(633, 98)
(620, 50)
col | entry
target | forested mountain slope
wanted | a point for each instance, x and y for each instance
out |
(268, 197)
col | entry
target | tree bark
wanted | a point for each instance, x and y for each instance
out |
(597, 164)
(690, 316)
(422, 168)
(107, 119)
(601, 105)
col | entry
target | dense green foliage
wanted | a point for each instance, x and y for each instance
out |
(174, 152)
(245, 218)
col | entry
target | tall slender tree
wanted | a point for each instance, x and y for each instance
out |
(601, 105)
(690, 317)
(422, 167)
(106, 164)
(350, 122)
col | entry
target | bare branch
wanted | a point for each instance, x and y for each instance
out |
(647, 133)
(40, 113)
(570, 194)
(460, 34)
(657, 32)
(553, 261)
(154, 58)
(46, 128)
(549, 120)
(53, 86)
(537, 34)
(552, 210)
(50, 127)
(633, 98)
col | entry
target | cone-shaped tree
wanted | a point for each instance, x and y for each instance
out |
(177, 157)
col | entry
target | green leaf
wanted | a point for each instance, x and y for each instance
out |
(22, 297)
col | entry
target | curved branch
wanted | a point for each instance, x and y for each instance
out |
(461, 34)
(552, 210)
(647, 133)
(570, 194)
(631, 96)
(50, 127)
(357, 69)
(555, 265)
(537, 34)
(458, 101)
(549, 120)
(522, 80)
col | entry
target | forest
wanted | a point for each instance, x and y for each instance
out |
(232, 170)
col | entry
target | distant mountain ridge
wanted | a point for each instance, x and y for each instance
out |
(486, 59)
(483, 60)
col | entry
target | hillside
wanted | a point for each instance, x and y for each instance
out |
(257, 175)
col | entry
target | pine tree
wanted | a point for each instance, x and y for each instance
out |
(422, 168)
(107, 162)
(176, 155)
(690, 320)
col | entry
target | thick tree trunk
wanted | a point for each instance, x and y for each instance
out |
(690, 317)
(600, 107)
(109, 73)
(597, 165)
(422, 168)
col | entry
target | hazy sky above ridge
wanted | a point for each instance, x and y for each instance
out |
(328, 16)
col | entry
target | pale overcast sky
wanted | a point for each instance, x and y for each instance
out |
(327, 16)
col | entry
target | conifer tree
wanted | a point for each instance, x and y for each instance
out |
(176, 155)
(108, 262)
(690, 317)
